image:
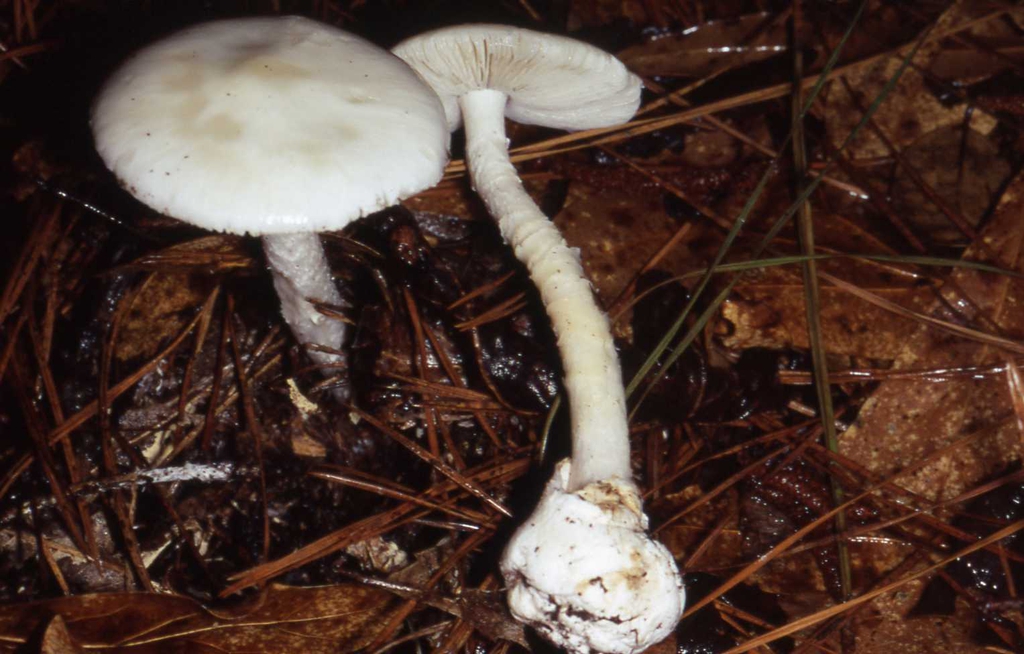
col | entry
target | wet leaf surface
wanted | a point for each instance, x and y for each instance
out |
(708, 48)
(910, 112)
(905, 421)
(340, 617)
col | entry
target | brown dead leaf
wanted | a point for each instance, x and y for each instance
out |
(884, 626)
(616, 234)
(488, 613)
(181, 278)
(767, 308)
(701, 50)
(910, 111)
(340, 618)
(453, 198)
(57, 640)
(164, 305)
(969, 66)
(966, 173)
(904, 421)
(220, 253)
(593, 13)
(964, 62)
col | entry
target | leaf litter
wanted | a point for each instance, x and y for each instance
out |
(165, 433)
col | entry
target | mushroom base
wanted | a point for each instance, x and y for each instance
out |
(583, 572)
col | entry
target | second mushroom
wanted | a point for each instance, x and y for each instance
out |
(581, 569)
(277, 127)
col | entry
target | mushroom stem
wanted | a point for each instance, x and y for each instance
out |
(301, 274)
(593, 379)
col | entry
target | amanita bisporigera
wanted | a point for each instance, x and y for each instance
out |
(581, 569)
(276, 127)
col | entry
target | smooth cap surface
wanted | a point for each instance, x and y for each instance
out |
(269, 126)
(551, 80)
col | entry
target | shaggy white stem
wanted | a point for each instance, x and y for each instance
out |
(301, 274)
(593, 379)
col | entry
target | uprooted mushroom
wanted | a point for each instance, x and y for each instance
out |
(581, 569)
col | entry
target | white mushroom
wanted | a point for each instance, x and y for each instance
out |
(581, 569)
(277, 127)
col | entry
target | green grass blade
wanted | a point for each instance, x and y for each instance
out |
(741, 220)
(812, 295)
(777, 227)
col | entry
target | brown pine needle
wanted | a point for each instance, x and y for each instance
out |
(43, 455)
(435, 462)
(407, 607)
(705, 544)
(438, 389)
(456, 379)
(868, 375)
(110, 443)
(205, 318)
(12, 336)
(674, 189)
(368, 527)
(814, 618)
(998, 342)
(18, 54)
(90, 410)
(252, 423)
(363, 529)
(31, 253)
(393, 490)
(740, 475)
(788, 542)
(1016, 389)
(424, 368)
(481, 290)
(502, 310)
(218, 379)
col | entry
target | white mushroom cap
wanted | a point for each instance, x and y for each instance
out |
(582, 571)
(550, 80)
(269, 126)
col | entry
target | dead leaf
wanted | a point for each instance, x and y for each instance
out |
(379, 554)
(340, 618)
(616, 234)
(883, 626)
(904, 421)
(717, 44)
(966, 66)
(767, 308)
(910, 111)
(164, 305)
(966, 173)
(210, 255)
(592, 13)
(489, 614)
(57, 640)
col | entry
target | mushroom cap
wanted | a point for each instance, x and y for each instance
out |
(269, 126)
(582, 571)
(550, 80)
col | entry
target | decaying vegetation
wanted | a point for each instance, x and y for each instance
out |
(817, 289)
